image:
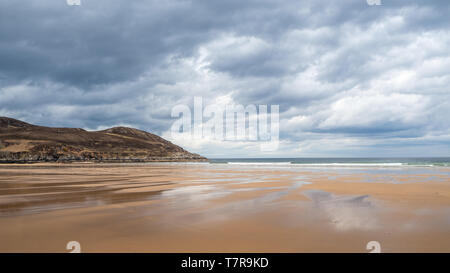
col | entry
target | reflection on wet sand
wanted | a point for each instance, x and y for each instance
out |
(207, 207)
(344, 212)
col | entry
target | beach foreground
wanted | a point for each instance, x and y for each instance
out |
(183, 207)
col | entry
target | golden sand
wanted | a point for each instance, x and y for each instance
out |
(219, 208)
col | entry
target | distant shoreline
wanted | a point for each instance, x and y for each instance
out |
(22, 162)
(21, 142)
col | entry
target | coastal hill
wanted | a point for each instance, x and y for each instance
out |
(24, 142)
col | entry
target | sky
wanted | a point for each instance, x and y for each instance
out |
(350, 79)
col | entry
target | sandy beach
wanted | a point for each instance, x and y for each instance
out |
(185, 207)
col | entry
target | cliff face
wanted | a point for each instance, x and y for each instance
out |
(23, 142)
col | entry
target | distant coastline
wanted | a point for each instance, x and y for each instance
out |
(21, 142)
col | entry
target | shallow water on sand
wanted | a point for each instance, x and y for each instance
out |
(220, 207)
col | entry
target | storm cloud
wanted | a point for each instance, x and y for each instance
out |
(350, 79)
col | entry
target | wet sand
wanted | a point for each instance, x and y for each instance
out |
(164, 207)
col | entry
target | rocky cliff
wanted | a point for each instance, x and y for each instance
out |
(24, 142)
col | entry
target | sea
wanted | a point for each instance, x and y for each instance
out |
(355, 162)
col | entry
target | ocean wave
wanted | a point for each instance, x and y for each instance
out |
(353, 164)
(335, 164)
(259, 163)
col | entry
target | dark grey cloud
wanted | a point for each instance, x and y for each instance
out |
(107, 63)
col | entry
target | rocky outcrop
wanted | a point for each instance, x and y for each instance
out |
(24, 142)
